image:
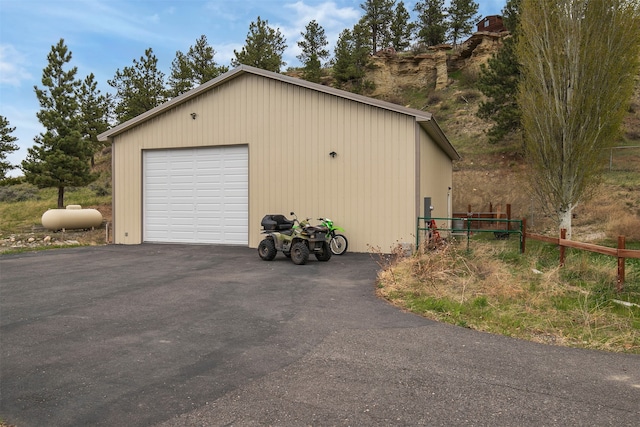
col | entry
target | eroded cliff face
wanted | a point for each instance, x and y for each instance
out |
(391, 71)
(477, 50)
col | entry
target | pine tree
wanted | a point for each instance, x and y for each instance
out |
(361, 48)
(378, 15)
(313, 45)
(139, 88)
(463, 15)
(181, 76)
(432, 25)
(194, 68)
(94, 114)
(351, 56)
(499, 79)
(202, 59)
(263, 48)
(343, 62)
(7, 145)
(400, 30)
(60, 156)
(511, 15)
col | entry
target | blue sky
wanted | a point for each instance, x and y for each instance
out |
(106, 35)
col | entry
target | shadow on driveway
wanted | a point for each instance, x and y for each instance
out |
(177, 335)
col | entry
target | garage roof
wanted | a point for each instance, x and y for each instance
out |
(426, 120)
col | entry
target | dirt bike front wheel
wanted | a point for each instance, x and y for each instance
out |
(338, 244)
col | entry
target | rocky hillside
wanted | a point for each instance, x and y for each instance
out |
(442, 81)
(391, 71)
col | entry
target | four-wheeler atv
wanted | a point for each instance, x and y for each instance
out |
(293, 238)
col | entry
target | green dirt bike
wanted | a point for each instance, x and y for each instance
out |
(295, 239)
(337, 242)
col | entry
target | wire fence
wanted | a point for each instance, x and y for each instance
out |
(428, 228)
(624, 158)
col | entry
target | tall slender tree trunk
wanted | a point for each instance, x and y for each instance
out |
(565, 220)
(60, 197)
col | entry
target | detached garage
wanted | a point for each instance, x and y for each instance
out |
(206, 166)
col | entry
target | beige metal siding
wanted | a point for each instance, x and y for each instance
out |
(368, 188)
(436, 178)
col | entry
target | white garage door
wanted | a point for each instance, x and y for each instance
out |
(197, 195)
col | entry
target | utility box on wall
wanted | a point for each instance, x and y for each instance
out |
(427, 208)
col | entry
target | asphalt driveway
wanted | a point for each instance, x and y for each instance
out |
(177, 335)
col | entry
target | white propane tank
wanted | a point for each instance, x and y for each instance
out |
(73, 217)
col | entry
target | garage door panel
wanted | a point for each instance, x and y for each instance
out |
(209, 167)
(180, 182)
(207, 182)
(183, 197)
(234, 204)
(209, 212)
(196, 195)
(208, 193)
(234, 210)
(239, 193)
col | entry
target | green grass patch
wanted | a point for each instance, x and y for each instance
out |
(494, 288)
(416, 98)
(22, 208)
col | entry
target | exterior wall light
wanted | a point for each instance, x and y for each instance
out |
(333, 154)
(193, 116)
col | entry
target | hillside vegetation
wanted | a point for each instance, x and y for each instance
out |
(492, 174)
(486, 284)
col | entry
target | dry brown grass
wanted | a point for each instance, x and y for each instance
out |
(624, 224)
(449, 272)
(499, 179)
(494, 290)
(527, 296)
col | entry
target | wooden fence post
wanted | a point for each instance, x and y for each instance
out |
(621, 262)
(563, 235)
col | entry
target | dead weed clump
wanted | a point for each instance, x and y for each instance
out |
(625, 224)
(491, 288)
(447, 272)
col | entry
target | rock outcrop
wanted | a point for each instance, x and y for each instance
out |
(391, 71)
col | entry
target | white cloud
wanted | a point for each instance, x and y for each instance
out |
(290, 18)
(224, 52)
(221, 11)
(12, 66)
(327, 14)
(155, 18)
(115, 19)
